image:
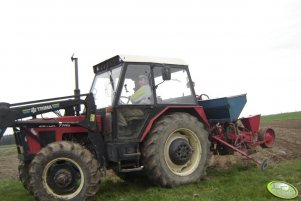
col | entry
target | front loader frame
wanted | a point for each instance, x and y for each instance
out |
(11, 115)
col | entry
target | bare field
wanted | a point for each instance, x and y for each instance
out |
(287, 147)
(8, 162)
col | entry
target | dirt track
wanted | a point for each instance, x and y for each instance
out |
(287, 147)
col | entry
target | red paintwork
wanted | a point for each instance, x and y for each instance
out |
(269, 137)
(198, 109)
(236, 149)
(34, 146)
(202, 114)
(238, 135)
(239, 138)
(251, 123)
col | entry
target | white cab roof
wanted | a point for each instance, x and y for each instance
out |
(134, 58)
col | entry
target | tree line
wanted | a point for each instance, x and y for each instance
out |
(7, 140)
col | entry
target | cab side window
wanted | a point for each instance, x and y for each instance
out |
(177, 90)
(136, 89)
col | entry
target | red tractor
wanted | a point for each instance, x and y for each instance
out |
(141, 115)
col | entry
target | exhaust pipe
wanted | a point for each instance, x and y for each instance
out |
(76, 91)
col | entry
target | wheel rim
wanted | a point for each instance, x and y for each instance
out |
(269, 137)
(63, 178)
(194, 158)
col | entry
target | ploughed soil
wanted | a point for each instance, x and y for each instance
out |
(287, 147)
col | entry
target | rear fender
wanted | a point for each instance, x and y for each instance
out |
(196, 111)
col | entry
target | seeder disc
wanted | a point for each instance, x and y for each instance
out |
(282, 189)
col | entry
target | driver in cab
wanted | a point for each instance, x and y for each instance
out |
(143, 94)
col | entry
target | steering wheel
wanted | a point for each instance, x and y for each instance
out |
(124, 102)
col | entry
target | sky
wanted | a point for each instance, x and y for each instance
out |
(232, 47)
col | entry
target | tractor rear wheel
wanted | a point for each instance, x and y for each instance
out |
(176, 151)
(64, 171)
(268, 135)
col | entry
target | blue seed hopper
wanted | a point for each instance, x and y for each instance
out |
(221, 110)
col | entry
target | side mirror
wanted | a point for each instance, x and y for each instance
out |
(166, 73)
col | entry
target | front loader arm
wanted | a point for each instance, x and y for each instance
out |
(10, 113)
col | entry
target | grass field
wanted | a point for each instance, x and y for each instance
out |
(7, 150)
(8, 146)
(282, 116)
(239, 183)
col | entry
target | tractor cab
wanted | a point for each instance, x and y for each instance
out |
(129, 91)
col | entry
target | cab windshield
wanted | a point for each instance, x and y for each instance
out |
(104, 87)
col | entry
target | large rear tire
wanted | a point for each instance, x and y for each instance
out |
(176, 151)
(64, 171)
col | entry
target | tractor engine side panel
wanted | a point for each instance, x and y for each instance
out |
(43, 136)
(38, 137)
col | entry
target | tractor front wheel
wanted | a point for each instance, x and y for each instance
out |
(64, 171)
(176, 151)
